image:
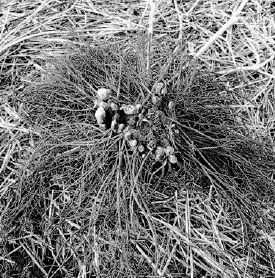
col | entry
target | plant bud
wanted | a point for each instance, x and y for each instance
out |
(129, 109)
(141, 148)
(114, 106)
(171, 105)
(158, 87)
(160, 153)
(114, 125)
(120, 128)
(138, 107)
(173, 159)
(169, 150)
(132, 143)
(127, 135)
(100, 115)
(103, 94)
